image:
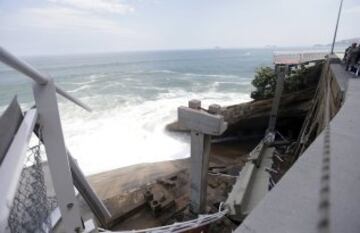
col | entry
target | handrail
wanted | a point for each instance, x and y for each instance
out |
(40, 78)
(13, 163)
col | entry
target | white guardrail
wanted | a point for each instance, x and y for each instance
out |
(12, 165)
(44, 91)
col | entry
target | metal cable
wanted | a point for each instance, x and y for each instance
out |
(178, 227)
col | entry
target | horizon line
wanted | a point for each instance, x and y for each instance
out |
(267, 47)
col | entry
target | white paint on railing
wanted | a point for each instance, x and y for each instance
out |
(40, 78)
(12, 165)
(46, 102)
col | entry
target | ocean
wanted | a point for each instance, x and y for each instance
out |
(133, 96)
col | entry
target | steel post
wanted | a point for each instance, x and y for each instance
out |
(46, 102)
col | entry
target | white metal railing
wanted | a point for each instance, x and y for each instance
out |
(40, 78)
(12, 165)
(44, 91)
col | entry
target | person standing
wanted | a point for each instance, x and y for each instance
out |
(346, 54)
(354, 57)
(350, 56)
(357, 61)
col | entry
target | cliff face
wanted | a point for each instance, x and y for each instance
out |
(254, 115)
(332, 75)
(251, 118)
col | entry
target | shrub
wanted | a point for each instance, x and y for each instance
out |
(264, 82)
(299, 79)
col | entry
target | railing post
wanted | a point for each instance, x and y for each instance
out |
(99, 209)
(46, 102)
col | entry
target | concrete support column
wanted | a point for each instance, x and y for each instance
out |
(202, 125)
(281, 71)
(200, 151)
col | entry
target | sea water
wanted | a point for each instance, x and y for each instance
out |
(133, 96)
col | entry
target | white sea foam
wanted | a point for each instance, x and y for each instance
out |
(92, 79)
(133, 132)
(211, 75)
(126, 129)
(218, 83)
(132, 102)
(81, 88)
(188, 74)
(112, 84)
(164, 71)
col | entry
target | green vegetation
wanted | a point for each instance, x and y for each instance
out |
(265, 83)
(298, 79)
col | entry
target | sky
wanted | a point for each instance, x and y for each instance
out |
(39, 27)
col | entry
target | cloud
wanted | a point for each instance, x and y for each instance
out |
(353, 10)
(61, 20)
(99, 6)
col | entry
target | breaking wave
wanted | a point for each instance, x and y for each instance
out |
(133, 132)
(133, 98)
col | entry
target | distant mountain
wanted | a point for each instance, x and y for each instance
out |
(341, 43)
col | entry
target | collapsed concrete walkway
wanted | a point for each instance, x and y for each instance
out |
(292, 206)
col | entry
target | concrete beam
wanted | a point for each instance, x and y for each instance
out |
(201, 121)
(252, 183)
